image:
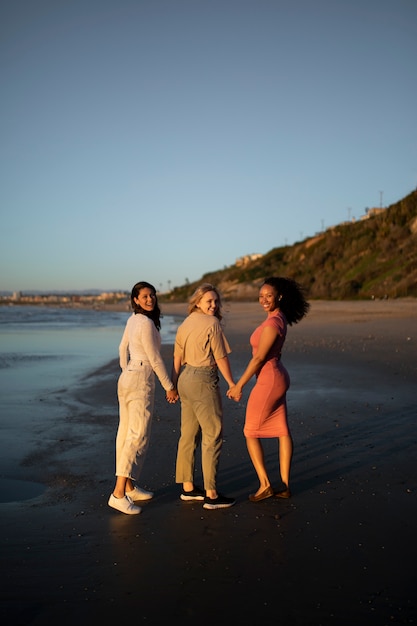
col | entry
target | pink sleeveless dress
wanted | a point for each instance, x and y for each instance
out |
(266, 411)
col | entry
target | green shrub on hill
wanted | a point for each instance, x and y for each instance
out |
(375, 257)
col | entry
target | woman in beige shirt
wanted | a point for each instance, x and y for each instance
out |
(201, 350)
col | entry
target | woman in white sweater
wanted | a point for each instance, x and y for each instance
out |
(140, 360)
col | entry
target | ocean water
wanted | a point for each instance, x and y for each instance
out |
(44, 346)
(43, 349)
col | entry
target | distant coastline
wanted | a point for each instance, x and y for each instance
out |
(117, 301)
(112, 302)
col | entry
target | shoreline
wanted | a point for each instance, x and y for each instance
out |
(389, 305)
(341, 551)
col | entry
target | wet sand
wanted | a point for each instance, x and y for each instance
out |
(341, 551)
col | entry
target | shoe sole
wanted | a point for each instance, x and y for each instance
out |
(190, 498)
(121, 510)
(217, 506)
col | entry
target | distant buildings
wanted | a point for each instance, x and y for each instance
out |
(368, 214)
(244, 260)
(70, 299)
(371, 213)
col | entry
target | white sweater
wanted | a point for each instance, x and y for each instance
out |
(141, 342)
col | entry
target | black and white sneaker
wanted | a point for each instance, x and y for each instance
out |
(195, 494)
(221, 502)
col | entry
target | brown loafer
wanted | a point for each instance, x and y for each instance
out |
(286, 493)
(266, 493)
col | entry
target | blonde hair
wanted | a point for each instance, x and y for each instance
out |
(199, 293)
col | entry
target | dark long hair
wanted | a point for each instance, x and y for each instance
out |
(155, 314)
(289, 298)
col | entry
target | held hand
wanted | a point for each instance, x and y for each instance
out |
(172, 396)
(234, 393)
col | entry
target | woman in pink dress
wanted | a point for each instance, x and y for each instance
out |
(266, 413)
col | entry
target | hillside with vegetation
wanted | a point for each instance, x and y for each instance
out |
(375, 257)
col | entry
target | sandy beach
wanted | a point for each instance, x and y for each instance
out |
(341, 551)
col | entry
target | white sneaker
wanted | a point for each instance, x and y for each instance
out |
(139, 494)
(124, 505)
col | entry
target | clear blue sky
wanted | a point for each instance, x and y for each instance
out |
(160, 140)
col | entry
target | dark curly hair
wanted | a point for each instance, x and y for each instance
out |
(155, 314)
(289, 298)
